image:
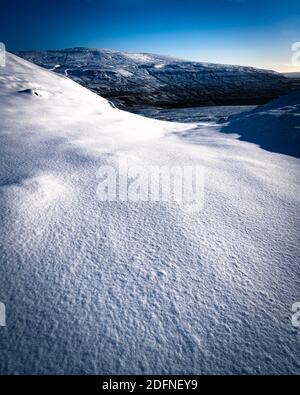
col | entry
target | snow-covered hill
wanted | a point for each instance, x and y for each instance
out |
(138, 287)
(274, 126)
(147, 79)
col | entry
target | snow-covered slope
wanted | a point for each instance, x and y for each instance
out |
(122, 287)
(147, 79)
(274, 126)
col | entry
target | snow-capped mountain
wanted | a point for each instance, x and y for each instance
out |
(138, 287)
(130, 79)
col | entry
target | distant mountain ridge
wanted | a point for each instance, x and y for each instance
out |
(292, 75)
(142, 79)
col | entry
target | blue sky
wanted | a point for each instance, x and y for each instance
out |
(248, 32)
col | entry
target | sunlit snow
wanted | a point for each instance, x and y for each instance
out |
(120, 287)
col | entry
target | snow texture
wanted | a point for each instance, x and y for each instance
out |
(121, 287)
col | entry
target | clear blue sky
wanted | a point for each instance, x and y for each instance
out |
(249, 32)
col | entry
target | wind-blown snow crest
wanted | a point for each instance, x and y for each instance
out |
(121, 287)
(274, 126)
